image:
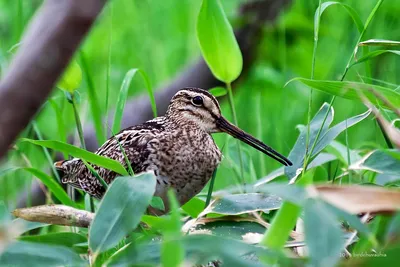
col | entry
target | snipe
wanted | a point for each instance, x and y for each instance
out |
(178, 147)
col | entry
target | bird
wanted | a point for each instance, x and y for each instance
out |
(177, 147)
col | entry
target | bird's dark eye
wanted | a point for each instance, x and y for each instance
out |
(197, 100)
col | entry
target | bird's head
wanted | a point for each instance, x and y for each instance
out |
(197, 106)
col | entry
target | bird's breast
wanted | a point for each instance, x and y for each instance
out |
(186, 161)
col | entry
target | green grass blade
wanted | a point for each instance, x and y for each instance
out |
(353, 14)
(172, 251)
(82, 154)
(150, 91)
(52, 185)
(93, 100)
(60, 122)
(350, 90)
(373, 54)
(379, 42)
(123, 95)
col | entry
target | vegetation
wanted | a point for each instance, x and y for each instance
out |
(322, 88)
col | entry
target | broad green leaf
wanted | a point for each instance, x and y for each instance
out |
(218, 91)
(200, 249)
(217, 42)
(379, 161)
(379, 42)
(248, 231)
(71, 78)
(25, 226)
(120, 210)
(4, 214)
(319, 160)
(340, 151)
(158, 203)
(244, 203)
(23, 253)
(323, 236)
(122, 96)
(373, 54)
(353, 14)
(172, 251)
(67, 239)
(327, 135)
(82, 154)
(351, 90)
(194, 207)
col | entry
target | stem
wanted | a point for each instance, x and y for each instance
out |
(342, 78)
(210, 189)
(232, 105)
(78, 122)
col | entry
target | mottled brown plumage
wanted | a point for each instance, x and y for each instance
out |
(178, 147)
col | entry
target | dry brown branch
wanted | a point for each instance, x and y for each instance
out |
(56, 214)
(48, 45)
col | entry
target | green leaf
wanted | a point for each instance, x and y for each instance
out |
(122, 96)
(172, 251)
(25, 226)
(353, 14)
(120, 210)
(340, 151)
(244, 203)
(50, 183)
(60, 122)
(200, 249)
(158, 203)
(150, 91)
(21, 253)
(379, 42)
(373, 54)
(194, 207)
(67, 239)
(218, 43)
(4, 213)
(319, 160)
(327, 135)
(71, 78)
(95, 109)
(380, 161)
(74, 151)
(218, 91)
(351, 90)
(247, 231)
(323, 236)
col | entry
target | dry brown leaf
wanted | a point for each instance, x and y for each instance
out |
(357, 199)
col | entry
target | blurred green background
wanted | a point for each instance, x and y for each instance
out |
(160, 38)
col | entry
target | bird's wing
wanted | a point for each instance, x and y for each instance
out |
(137, 142)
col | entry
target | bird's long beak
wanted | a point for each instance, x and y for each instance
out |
(234, 131)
